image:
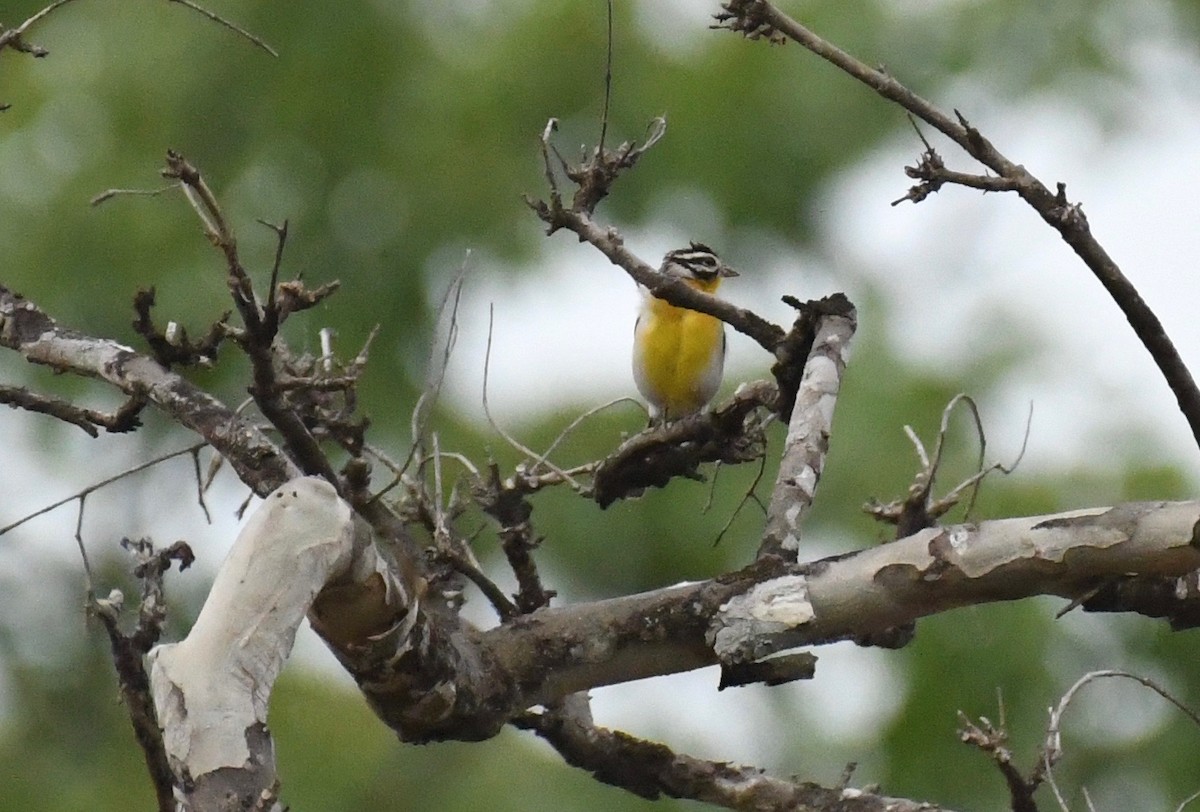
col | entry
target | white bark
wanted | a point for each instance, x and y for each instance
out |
(807, 441)
(941, 568)
(211, 690)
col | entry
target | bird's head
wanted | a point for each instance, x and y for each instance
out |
(698, 265)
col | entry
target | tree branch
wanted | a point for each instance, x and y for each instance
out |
(762, 18)
(808, 433)
(26, 329)
(262, 321)
(122, 420)
(773, 606)
(652, 770)
(670, 289)
(211, 689)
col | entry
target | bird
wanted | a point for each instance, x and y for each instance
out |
(679, 354)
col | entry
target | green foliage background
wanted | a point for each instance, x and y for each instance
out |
(388, 130)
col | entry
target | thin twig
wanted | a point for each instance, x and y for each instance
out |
(109, 194)
(508, 438)
(974, 482)
(1052, 749)
(748, 496)
(261, 324)
(1187, 801)
(87, 566)
(81, 495)
(12, 37)
(272, 312)
(574, 424)
(608, 74)
(200, 484)
(232, 26)
(435, 366)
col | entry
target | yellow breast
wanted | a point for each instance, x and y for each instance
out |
(678, 357)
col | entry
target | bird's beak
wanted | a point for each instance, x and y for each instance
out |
(727, 272)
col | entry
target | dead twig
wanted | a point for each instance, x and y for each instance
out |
(261, 322)
(919, 509)
(15, 37)
(993, 740)
(83, 494)
(508, 438)
(129, 650)
(1052, 749)
(124, 419)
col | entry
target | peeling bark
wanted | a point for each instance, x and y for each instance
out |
(211, 690)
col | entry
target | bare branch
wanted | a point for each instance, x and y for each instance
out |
(673, 290)
(505, 502)
(211, 689)
(1187, 801)
(773, 606)
(993, 741)
(14, 37)
(27, 330)
(576, 423)
(761, 18)
(172, 346)
(124, 419)
(128, 651)
(594, 175)
(508, 438)
(261, 321)
(109, 194)
(608, 76)
(750, 495)
(919, 509)
(435, 370)
(652, 770)
(653, 457)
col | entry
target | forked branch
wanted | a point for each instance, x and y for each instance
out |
(761, 19)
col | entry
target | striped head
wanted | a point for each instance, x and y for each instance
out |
(698, 265)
